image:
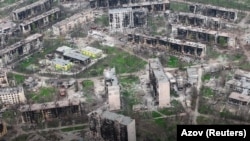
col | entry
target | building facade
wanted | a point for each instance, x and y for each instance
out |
(111, 126)
(159, 82)
(12, 95)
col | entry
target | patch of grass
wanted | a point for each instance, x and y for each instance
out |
(87, 84)
(180, 7)
(176, 108)
(128, 80)
(72, 128)
(155, 114)
(18, 78)
(206, 77)
(45, 94)
(122, 61)
(173, 62)
(161, 122)
(203, 109)
(207, 92)
(7, 2)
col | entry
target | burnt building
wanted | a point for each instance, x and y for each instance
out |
(19, 49)
(3, 79)
(214, 11)
(34, 113)
(109, 126)
(159, 82)
(31, 10)
(151, 6)
(170, 44)
(203, 35)
(124, 18)
(239, 88)
(40, 21)
(191, 19)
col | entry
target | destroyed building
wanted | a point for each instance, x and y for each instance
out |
(12, 95)
(40, 21)
(124, 18)
(72, 55)
(66, 25)
(112, 89)
(3, 79)
(191, 19)
(203, 35)
(7, 30)
(34, 113)
(107, 3)
(214, 11)
(239, 88)
(31, 10)
(19, 49)
(171, 44)
(110, 126)
(151, 6)
(159, 82)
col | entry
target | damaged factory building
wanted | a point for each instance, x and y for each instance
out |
(17, 50)
(34, 113)
(109, 126)
(160, 83)
(125, 18)
(112, 89)
(203, 35)
(171, 44)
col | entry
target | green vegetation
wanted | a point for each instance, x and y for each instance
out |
(175, 109)
(129, 100)
(206, 77)
(173, 62)
(45, 94)
(68, 129)
(205, 109)
(9, 116)
(102, 20)
(122, 61)
(210, 120)
(161, 122)
(241, 5)
(128, 80)
(173, 93)
(222, 41)
(50, 45)
(155, 114)
(207, 92)
(17, 77)
(7, 2)
(180, 7)
(87, 85)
